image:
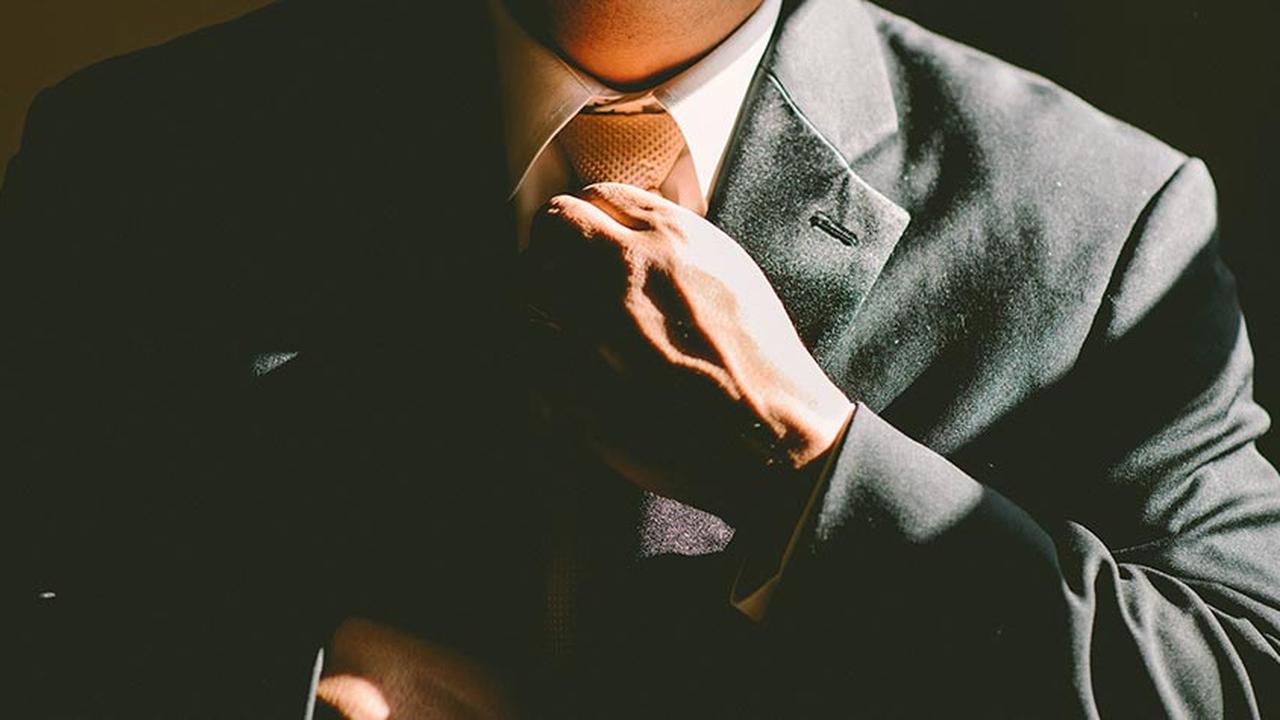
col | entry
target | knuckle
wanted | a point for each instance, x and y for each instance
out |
(595, 190)
(603, 238)
(557, 206)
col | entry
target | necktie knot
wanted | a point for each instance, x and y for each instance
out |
(634, 148)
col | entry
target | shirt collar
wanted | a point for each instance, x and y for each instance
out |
(541, 92)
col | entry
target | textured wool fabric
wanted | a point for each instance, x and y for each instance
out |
(633, 148)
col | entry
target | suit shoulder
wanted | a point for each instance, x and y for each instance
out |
(226, 49)
(1030, 198)
(1025, 140)
(218, 76)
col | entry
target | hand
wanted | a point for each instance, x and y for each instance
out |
(672, 356)
(375, 672)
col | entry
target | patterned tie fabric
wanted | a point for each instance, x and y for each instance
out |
(633, 148)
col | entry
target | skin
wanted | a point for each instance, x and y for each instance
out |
(632, 43)
(685, 373)
(376, 672)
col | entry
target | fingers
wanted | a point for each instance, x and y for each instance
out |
(584, 255)
(578, 262)
(561, 249)
(587, 219)
(604, 210)
(627, 204)
(379, 671)
(354, 697)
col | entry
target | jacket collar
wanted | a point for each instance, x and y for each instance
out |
(828, 57)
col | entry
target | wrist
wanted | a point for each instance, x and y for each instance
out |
(785, 483)
(812, 431)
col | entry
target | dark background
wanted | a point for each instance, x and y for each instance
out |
(1200, 74)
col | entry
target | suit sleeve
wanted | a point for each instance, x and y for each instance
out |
(114, 608)
(1147, 586)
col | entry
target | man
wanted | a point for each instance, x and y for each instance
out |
(480, 327)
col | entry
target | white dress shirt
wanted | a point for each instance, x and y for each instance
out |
(541, 93)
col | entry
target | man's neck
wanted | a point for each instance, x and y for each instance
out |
(632, 43)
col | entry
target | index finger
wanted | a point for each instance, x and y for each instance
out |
(589, 220)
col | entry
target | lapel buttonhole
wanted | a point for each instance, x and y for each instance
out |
(827, 224)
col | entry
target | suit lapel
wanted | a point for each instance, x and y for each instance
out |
(786, 192)
(820, 100)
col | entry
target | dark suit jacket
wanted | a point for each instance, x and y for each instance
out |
(263, 368)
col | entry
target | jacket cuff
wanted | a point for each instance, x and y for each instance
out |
(761, 571)
(885, 487)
